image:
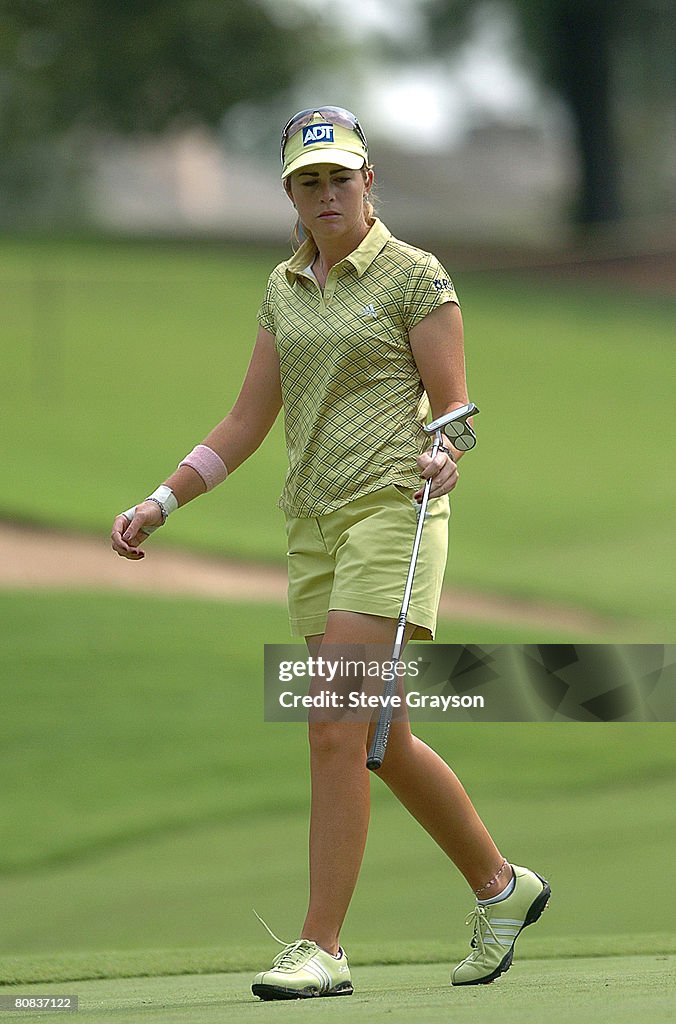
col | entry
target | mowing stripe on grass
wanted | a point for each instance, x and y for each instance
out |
(620, 990)
(151, 963)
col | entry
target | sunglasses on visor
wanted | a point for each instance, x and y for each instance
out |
(334, 115)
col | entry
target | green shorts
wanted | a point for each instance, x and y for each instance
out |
(356, 559)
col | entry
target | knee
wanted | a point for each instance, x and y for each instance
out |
(336, 739)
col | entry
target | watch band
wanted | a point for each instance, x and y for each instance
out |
(166, 501)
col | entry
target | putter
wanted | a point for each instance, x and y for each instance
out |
(456, 428)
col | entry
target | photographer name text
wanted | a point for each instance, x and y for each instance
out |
(357, 699)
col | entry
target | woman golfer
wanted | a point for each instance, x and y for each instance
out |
(358, 331)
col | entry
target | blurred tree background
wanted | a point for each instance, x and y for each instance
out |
(607, 60)
(73, 71)
(78, 67)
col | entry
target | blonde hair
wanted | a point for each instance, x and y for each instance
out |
(299, 233)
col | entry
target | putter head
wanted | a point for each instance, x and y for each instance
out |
(456, 428)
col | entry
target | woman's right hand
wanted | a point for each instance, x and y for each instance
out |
(127, 536)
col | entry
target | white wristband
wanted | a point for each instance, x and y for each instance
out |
(165, 498)
(165, 495)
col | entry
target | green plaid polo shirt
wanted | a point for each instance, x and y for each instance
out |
(353, 398)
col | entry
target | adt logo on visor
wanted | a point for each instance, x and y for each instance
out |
(317, 133)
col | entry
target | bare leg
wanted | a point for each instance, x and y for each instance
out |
(338, 827)
(340, 807)
(340, 793)
(434, 795)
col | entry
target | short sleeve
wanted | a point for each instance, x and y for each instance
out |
(427, 287)
(266, 314)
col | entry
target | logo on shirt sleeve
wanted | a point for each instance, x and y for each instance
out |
(443, 284)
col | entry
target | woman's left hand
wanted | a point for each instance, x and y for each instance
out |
(442, 470)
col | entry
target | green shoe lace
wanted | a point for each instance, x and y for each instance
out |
(294, 955)
(482, 925)
(270, 931)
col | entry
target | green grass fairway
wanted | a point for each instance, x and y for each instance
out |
(118, 358)
(147, 806)
(621, 990)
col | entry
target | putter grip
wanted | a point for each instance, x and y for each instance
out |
(376, 754)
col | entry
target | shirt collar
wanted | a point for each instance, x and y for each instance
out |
(361, 258)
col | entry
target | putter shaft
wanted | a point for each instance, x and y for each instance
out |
(378, 746)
